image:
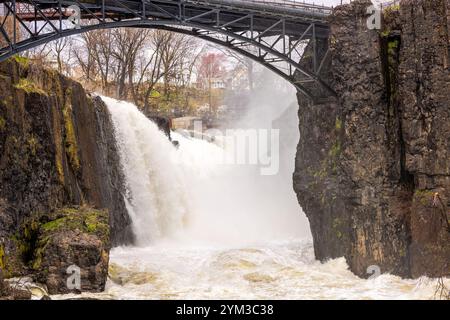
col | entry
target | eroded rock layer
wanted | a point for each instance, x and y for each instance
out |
(57, 149)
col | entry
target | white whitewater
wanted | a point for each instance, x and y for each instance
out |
(145, 154)
(206, 230)
(186, 194)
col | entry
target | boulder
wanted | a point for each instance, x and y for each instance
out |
(9, 292)
(72, 241)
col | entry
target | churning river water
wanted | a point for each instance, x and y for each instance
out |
(211, 231)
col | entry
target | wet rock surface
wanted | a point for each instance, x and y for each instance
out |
(57, 150)
(11, 292)
(163, 123)
(372, 171)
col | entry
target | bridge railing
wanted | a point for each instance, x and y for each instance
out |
(26, 10)
(387, 4)
(299, 5)
(378, 3)
(292, 3)
(306, 6)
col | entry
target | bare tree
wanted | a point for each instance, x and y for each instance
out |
(102, 42)
(130, 63)
(148, 72)
(168, 57)
(127, 43)
(39, 53)
(243, 61)
(85, 56)
(174, 50)
(60, 48)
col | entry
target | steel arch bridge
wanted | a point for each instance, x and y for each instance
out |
(273, 33)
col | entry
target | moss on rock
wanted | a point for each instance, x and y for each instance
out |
(424, 197)
(338, 124)
(58, 150)
(335, 149)
(29, 86)
(70, 138)
(2, 123)
(84, 219)
(2, 257)
(22, 61)
(72, 236)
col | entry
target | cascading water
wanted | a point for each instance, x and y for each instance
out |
(154, 200)
(207, 230)
(190, 195)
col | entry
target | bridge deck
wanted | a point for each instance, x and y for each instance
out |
(291, 8)
(297, 15)
(272, 32)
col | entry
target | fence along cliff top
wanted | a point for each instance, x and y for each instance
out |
(273, 33)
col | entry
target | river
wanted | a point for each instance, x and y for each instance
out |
(206, 230)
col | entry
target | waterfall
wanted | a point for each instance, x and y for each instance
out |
(187, 194)
(155, 201)
(207, 230)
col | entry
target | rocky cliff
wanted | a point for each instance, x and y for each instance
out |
(57, 150)
(372, 167)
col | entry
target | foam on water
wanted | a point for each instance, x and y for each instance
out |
(273, 270)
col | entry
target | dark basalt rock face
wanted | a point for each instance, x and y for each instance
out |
(163, 123)
(372, 170)
(57, 149)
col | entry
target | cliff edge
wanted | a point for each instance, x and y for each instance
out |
(372, 166)
(57, 152)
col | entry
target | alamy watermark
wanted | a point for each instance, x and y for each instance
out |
(374, 271)
(74, 279)
(260, 147)
(74, 17)
(374, 20)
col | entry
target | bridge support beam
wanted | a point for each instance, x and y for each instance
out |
(276, 41)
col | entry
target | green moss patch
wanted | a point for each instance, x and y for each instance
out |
(33, 143)
(2, 257)
(60, 170)
(335, 150)
(390, 9)
(85, 219)
(338, 124)
(29, 86)
(39, 253)
(385, 33)
(70, 138)
(22, 61)
(80, 219)
(424, 197)
(2, 123)
(54, 225)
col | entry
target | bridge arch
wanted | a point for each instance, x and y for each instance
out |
(212, 24)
